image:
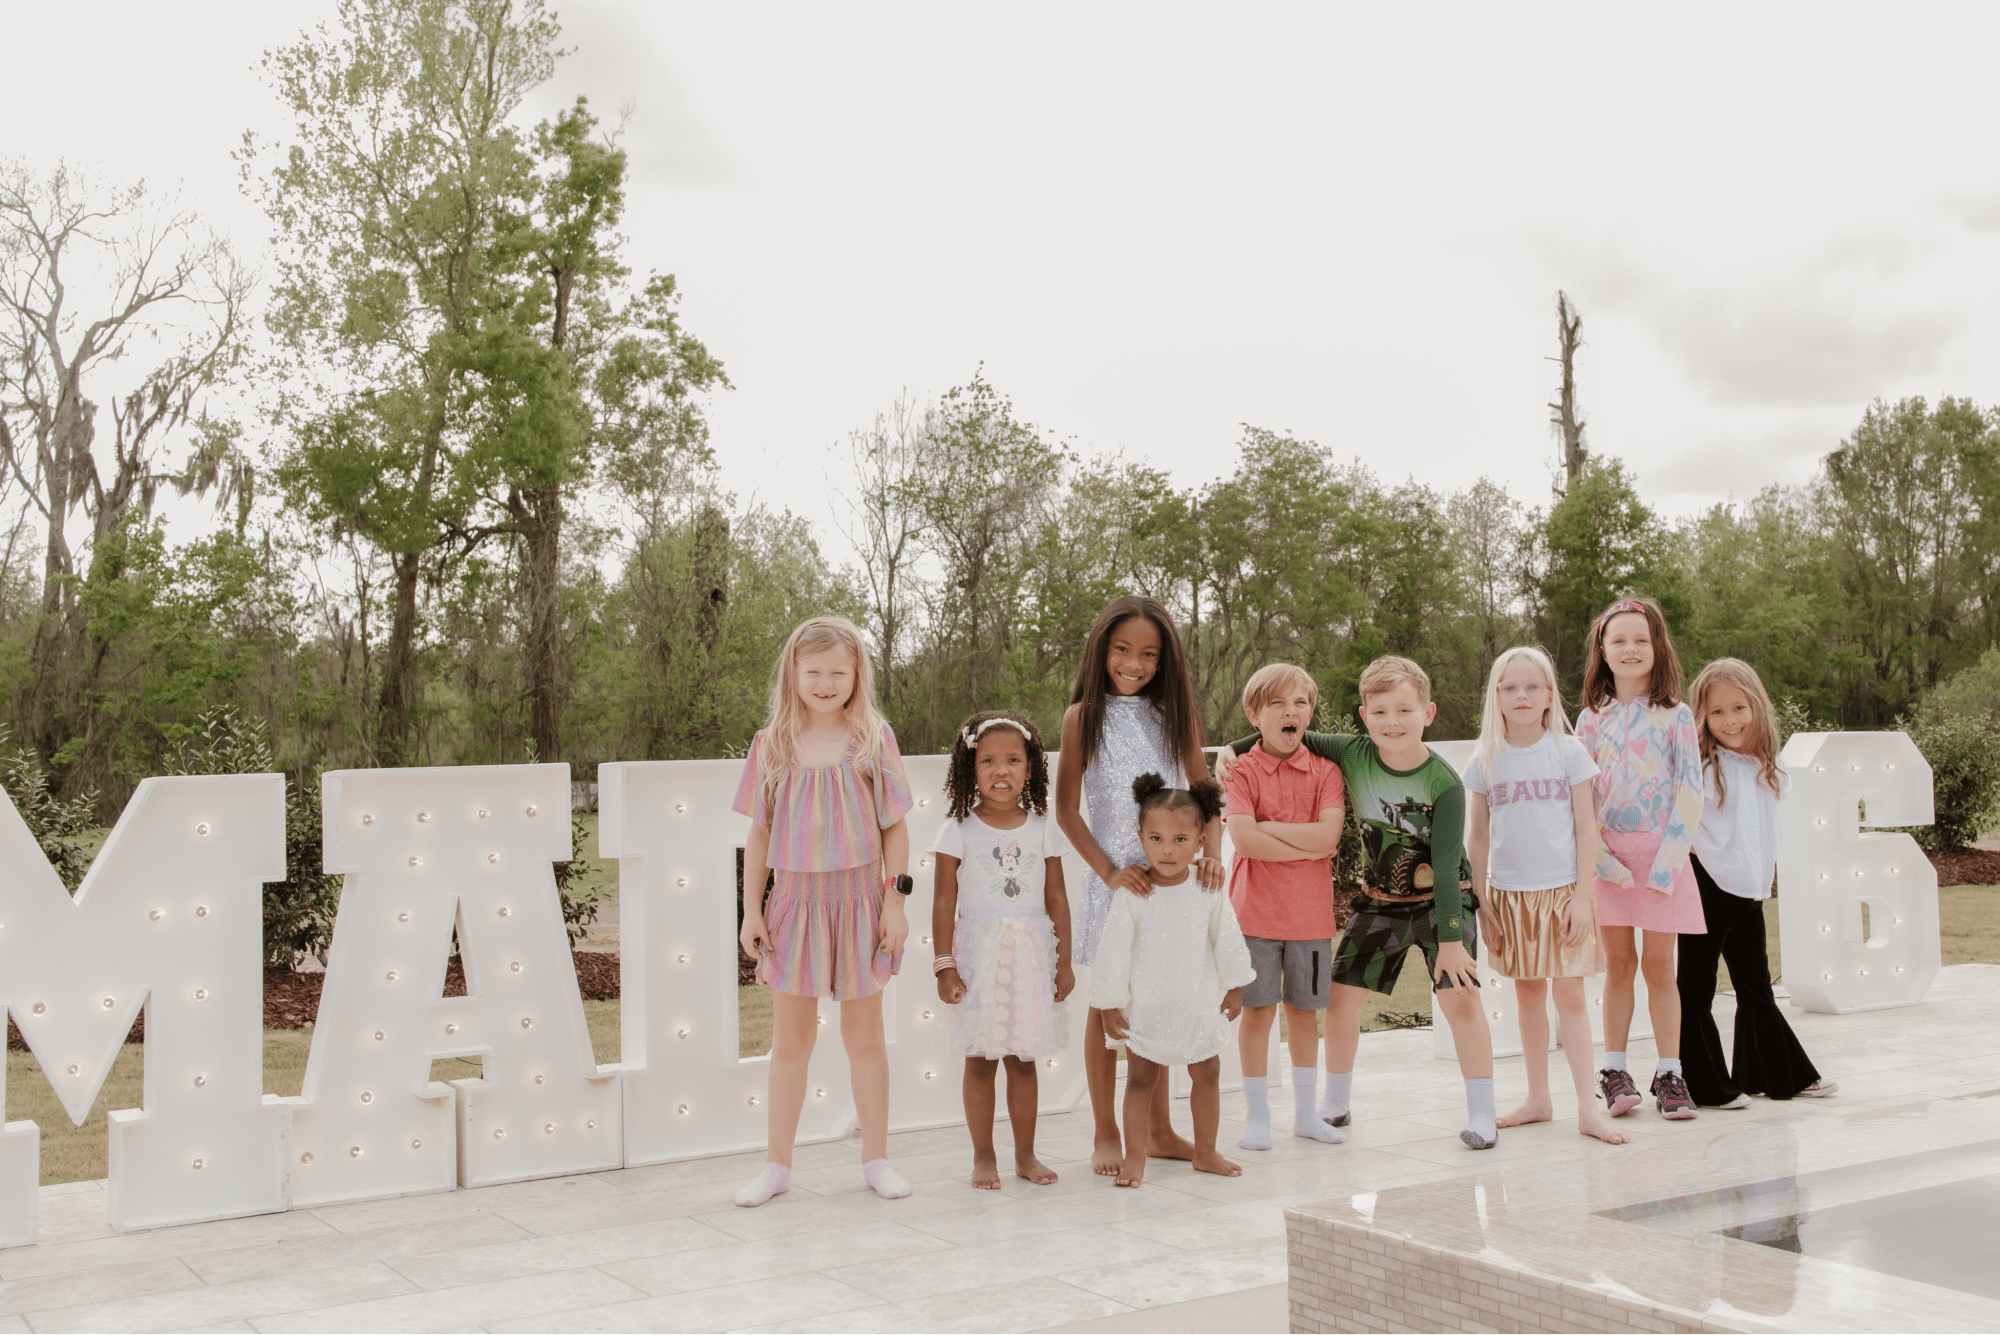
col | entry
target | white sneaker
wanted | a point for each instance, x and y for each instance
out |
(1740, 1101)
(1819, 1089)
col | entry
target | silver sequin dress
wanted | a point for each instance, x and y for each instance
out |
(1134, 742)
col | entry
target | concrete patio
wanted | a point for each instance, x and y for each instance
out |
(663, 1249)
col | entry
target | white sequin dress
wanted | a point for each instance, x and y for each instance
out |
(1165, 962)
(1133, 742)
(1003, 941)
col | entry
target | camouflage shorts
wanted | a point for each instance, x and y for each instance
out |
(1379, 935)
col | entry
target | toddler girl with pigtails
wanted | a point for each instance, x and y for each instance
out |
(1648, 794)
(1001, 920)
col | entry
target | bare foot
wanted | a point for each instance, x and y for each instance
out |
(985, 1172)
(1107, 1156)
(1590, 1122)
(1531, 1110)
(1132, 1172)
(1033, 1169)
(1170, 1146)
(1208, 1161)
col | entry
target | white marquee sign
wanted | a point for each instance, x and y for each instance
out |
(170, 915)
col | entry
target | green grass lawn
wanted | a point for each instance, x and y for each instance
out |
(1969, 914)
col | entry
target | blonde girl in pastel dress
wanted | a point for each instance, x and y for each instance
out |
(1649, 797)
(825, 793)
(1001, 919)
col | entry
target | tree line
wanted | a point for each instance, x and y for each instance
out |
(468, 508)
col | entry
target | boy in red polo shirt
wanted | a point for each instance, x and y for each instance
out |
(1284, 813)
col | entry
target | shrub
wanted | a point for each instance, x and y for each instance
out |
(1965, 771)
(58, 826)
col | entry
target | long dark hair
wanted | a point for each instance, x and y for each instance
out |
(1663, 689)
(961, 779)
(1171, 690)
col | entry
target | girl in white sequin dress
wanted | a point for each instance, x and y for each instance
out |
(1133, 712)
(1001, 920)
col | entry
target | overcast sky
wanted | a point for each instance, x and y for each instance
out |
(1152, 223)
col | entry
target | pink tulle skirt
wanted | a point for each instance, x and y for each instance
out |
(1636, 905)
(1008, 963)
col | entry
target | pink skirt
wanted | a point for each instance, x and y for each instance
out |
(826, 933)
(1636, 905)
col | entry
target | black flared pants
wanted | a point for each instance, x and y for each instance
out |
(1768, 1057)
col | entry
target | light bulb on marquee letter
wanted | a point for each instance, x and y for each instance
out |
(74, 973)
(416, 871)
(1851, 900)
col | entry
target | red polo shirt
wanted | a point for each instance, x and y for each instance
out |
(1283, 901)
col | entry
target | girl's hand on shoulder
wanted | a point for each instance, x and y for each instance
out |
(1133, 878)
(755, 938)
(895, 923)
(1232, 1003)
(1208, 872)
(1225, 756)
(951, 988)
(1065, 982)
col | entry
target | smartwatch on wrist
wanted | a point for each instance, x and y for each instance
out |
(902, 885)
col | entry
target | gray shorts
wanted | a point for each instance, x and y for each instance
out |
(1299, 970)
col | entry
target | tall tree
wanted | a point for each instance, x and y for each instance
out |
(1601, 542)
(92, 275)
(1901, 498)
(394, 293)
(1562, 413)
(887, 522)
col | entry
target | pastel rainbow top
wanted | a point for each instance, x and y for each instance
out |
(1648, 781)
(827, 817)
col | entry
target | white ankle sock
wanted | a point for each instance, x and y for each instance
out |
(1334, 1104)
(1482, 1130)
(775, 1180)
(883, 1180)
(1668, 1066)
(1306, 1121)
(1614, 1061)
(1257, 1098)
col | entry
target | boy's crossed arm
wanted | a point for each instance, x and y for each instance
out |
(1280, 841)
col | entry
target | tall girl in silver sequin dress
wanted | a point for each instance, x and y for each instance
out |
(1133, 712)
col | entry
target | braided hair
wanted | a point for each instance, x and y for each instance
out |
(1150, 791)
(961, 779)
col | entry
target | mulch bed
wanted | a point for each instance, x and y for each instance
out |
(291, 1000)
(1967, 866)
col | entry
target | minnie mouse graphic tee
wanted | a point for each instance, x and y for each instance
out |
(1001, 873)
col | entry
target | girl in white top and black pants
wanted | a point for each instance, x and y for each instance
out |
(1735, 863)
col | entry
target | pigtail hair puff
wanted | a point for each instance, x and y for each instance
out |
(1203, 796)
(1663, 689)
(1207, 795)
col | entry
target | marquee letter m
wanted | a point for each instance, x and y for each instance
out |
(170, 917)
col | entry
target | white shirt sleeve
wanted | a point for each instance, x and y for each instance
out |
(1111, 976)
(1578, 763)
(950, 840)
(1053, 843)
(1474, 777)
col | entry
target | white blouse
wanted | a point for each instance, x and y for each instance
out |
(1166, 961)
(1737, 841)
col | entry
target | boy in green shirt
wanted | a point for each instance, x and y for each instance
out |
(1411, 807)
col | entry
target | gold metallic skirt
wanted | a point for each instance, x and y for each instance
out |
(1528, 940)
